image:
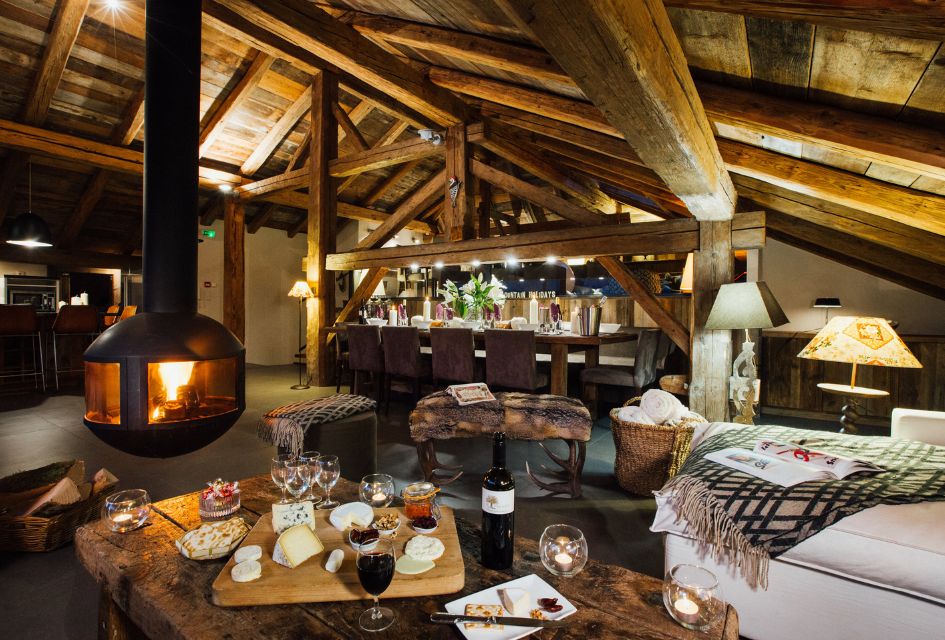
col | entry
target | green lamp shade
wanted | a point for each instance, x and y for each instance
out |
(29, 230)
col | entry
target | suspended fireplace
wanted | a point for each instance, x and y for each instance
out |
(168, 380)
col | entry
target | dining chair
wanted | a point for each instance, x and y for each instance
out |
(365, 357)
(645, 362)
(111, 316)
(128, 311)
(19, 322)
(341, 355)
(454, 355)
(511, 362)
(402, 359)
(72, 320)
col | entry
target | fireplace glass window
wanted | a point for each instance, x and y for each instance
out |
(103, 392)
(179, 391)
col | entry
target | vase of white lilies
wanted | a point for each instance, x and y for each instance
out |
(472, 300)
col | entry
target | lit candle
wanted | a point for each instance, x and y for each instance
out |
(686, 610)
(426, 309)
(122, 518)
(564, 561)
(379, 498)
(392, 317)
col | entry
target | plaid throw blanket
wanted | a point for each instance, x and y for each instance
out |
(286, 426)
(753, 520)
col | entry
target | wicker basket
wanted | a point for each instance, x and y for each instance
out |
(31, 533)
(647, 454)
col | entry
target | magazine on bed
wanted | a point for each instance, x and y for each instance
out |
(470, 393)
(788, 464)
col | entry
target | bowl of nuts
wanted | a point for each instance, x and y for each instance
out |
(387, 524)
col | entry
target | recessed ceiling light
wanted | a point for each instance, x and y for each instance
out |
(226, 188)
(551, 259)
(438, 264)
(475, 263)
(414, 266)
(511, 261)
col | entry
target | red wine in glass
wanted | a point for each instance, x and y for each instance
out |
(376, 571)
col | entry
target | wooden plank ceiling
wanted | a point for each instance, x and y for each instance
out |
(828, 118)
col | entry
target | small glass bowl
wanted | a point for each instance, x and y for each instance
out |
(126, 510)
(692, 596)
(215, 507)
(563, 550)
(377, 490)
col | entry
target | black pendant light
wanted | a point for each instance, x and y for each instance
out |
(28, 229)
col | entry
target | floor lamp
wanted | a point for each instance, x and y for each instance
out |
(303, 292)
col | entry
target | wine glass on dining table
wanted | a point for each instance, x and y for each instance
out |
(327, 474)
(277, 470)
(298, 477)
(375, 571)
(311, 459)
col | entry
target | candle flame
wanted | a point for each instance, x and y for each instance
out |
(174, 375)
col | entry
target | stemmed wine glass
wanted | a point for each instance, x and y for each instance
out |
(277, 470)
(375, 571)
(298, 477)
(327, 476)
(311, 459)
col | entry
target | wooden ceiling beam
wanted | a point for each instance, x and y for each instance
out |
(397, 153)
(350, 129)
(834, 185)
(277, 133)
(217, 117)
(388, 137)
(262, 217)
(69, 259)
(626, 59)
(405, 212)
(314, 30)
(389, 182)
(285, 181)
(909, 19)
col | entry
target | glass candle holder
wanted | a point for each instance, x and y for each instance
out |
(563, 550)
(692, 596)
(126, 510)
(377, 490)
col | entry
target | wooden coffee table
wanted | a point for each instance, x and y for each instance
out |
(149, 590)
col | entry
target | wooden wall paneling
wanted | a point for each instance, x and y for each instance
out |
(458, 186)
(321, 226)
(780, 53)
(234, 267)
(711, 353)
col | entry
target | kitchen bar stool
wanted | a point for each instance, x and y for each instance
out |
(20, 322)
(72, 320)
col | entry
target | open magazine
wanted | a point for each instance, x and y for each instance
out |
(470, 393)
(788, 464)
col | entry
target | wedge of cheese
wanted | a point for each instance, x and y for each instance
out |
(289, 515)
(295, 545)
(410, 566)
(516, 601)
(484, 610)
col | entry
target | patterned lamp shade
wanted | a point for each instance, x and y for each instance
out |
(301, 290)
(860, 341)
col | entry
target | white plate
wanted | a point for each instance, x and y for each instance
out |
(363, 511)
(536, 587)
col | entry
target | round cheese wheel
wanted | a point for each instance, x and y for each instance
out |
(246, 571)
(249, 552)
(424, 548)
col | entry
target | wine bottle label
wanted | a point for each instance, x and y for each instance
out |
(498, 502)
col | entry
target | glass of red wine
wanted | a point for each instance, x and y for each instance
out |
(375, 571)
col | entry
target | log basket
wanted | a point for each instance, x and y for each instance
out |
(649, 454)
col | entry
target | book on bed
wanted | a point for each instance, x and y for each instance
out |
(788, 464)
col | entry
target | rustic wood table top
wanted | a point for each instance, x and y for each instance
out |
(540, 338)
(149, 588)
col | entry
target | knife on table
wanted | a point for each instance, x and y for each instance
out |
(450, 618)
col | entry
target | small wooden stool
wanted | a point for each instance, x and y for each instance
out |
(521, 416)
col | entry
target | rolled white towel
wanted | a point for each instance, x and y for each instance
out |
(662, 406)
(634, 414)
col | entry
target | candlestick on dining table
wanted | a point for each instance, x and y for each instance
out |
(426, 309)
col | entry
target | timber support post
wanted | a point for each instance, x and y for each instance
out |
(234, 267)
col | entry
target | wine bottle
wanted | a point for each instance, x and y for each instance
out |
(498, 510)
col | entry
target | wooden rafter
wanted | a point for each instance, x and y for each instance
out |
(372, 159)
(405, 212)
(389, 182)
(216, 119)
(277, 133)
(365, 289)
(352, 135)
(261, 218)
(388, 137)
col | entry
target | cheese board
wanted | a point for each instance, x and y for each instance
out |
(312, 582)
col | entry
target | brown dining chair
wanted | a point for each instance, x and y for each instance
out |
(651, 346)
(111, 316)
(510, 361)
(402, 359)
(454, 355)
(365, 357)
(72, 320)
(341, 356)
(19, 323)
(128, 311)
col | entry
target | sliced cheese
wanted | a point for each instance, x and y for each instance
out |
(410, 566)
(516, 601)
(424, 548)
(246, 571)
(289, 515)
(247, 553)
(334, 561)
(296, 545)
(484, 610)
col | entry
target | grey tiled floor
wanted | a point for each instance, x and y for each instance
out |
(51, 596)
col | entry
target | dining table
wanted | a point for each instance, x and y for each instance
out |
(149, 590)
(559, 345)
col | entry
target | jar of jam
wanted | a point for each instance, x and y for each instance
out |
(420, 500)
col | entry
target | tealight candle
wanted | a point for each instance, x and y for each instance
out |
(691, 596)
(126, 510)
(686, 610)
(379, 497)
(122, 518)
(563, 550)
(377, 490)
(564, 561)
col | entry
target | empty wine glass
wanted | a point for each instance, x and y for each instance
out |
(375, 571)
(327, 476)
(277, 469)
(298, 477)
(311, 459)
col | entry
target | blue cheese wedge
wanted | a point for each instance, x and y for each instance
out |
(296, 545)
(285, 516)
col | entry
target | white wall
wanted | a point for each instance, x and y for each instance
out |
(797, 277)
(273, 264)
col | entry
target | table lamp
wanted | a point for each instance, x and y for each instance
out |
(302, 291)
(745, 305)
(827, 304)
(857, 341)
